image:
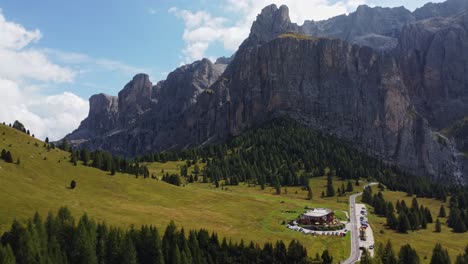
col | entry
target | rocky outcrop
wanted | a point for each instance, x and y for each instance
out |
(270, 23)
(102, 117)
(143, 118)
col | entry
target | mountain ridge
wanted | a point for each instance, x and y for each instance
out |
(332, 84)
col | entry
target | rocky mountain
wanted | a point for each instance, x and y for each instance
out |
(445, 9)
(143, 117)
(434, 57)
(384, 79)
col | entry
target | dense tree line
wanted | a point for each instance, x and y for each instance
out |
(416, 217)
(458, 216)
(285, 153)
(384, 254)
(409, 218)
(282, 153)
(59, 239)
(173, 179)
(104, 160)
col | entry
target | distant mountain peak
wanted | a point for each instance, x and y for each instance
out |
(271, 22)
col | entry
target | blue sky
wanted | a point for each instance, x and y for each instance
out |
(62, 52)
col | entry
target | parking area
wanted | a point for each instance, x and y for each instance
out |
(341, 232)
(366, 237)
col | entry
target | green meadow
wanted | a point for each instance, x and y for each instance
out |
(422, 240)
(40, 183)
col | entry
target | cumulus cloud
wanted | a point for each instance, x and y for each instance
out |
(32, 64)
(202, 29)
(46, 116)
(24, 74)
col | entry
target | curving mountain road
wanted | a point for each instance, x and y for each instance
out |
(355, 251)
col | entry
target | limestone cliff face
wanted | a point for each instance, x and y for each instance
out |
(434, 58)
(374, 27)
(102, 117)
(331, 86)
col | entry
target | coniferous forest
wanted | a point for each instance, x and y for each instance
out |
(283, 152)
(61, 239)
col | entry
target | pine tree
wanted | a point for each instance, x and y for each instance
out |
(280, 252)
(278, 188)
(309, 192)
(84, 242)
(113, 168)
(459, 225)
(408, 255)
(65, 145)
(349, 187)
(8, 157)
(73, 184)
(413, 217)
(388, 256)
(6, 255)
(85, 156)
(296, 252)
(366, 257)
(440, 255)
(438, 226)
(326, 257)
(367, 195)
(428, 215)
(129, 255)
(330, 189)
(414, 204)
(442, 212)
(403, 223)
(453, 217)
(463, 259)
(392, 221)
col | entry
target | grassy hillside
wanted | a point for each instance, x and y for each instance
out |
(40, 183)
(422, 240)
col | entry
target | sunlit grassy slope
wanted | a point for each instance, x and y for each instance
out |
(422, 240)
(40, 183)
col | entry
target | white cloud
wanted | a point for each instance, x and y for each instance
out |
(410, 5)
(32, 64)
(53, 116)
(203, 29)
(15, 36)
(20, 68)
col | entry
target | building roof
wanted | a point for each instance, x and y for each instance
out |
(318, 212)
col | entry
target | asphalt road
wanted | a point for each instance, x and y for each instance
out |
(355, 251)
